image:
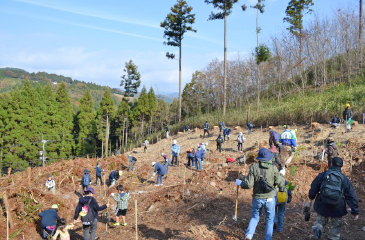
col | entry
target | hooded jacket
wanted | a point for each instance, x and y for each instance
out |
(175, 148)
(49, 218)
(274, 138)
(200, 154)
(113, 175)
(271, 175)
(94, 206)
(340, 210)
(98, 171)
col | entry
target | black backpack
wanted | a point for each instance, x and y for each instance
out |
(331, 190)
(265, 187)
(89, 217)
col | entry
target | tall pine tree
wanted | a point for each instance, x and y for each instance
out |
(176, 24)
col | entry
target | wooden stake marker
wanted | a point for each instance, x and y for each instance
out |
(135, 204)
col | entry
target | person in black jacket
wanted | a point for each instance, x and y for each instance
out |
(219, 142)
(347, 116)
(94, 208)
(335, 212)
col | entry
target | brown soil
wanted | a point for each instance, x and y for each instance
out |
(204, 210)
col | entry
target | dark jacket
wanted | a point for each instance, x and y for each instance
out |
(113, 175)
(326, 210)
(190, 154)
(206, 126)
(98, 171)
(94, 206)
(274, 138)
(160, 169)
(82, 179)
(335, 120)
(220, 139)
(49, 218)
(347, 114)
(200, 154)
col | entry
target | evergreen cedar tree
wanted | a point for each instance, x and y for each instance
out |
(225, 8)
(295, 12)
(176, 24)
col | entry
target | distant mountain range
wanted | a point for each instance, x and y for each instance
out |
(12, 78)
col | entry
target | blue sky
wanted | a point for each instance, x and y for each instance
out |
(91, 40)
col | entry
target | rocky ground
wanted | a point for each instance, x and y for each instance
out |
(203, 207)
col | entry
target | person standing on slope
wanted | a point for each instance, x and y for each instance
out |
(240, 141)
(263, 176)
(347, 116)
(332, 190)
(288, 144)
(206, 128)
(175, 148)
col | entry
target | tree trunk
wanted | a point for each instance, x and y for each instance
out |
(225, 63)
(123, 133)
(126, 130)
(107, 135)
(180, 82)
(361, 26)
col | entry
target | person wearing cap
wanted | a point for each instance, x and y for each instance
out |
(199, 156)
(347, 116)
(262, 198)
(160, 170)
(175, 148)
(132, 161)
(51, 185)
(219, 141)
(85, 180)
(49, 220)
(240, 141)
(94, 208)
(166, 161)
(274, 138)
(275, 159)
(206, 128)
(98, 172)
(122, 200)
(331, 150)
(322, 206)
(114, 176)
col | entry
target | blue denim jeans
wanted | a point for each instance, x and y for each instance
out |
(174, 161)
(159, 179)
(167, 166)
(279, 217)
(198, 162)
(257, 205)
(191, 159)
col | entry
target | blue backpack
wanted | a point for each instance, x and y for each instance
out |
(86, 180)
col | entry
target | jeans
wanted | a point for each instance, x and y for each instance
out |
(92, 227)
(159, 179)
(172, 161)
(257, 205)
(240, 146)
(96, 181)
(132, 165)
(167, 167)
(191, 159)
(45, 232)
(199, 161)
(249, 130)
(279, 216)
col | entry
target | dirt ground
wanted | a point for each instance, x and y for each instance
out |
(203, 207)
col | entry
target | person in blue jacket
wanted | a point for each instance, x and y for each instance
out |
(49, 220)
(175, 148)
(167, 161)
(206, 128)
(161, 171)
(274, 138)
(335, 212)
(190, 156)
(98, 172)
(226, 133)
(199, 156)
(114, 176)
(250, 127)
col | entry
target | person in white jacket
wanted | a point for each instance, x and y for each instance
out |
(240, 141)
(51, 185)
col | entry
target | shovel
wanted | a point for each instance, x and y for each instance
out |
(236, 208)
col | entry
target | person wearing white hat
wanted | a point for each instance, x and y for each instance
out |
(160, 170)
(175, 153)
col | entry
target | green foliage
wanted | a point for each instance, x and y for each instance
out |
(177, 23)
(259, 6)
(295, 12)
(290, 186)
(262, 53)
(224, 7)
(131, 80)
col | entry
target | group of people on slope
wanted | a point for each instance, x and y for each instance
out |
(331, 191)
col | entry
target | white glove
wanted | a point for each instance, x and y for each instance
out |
(238, 182)
(112, 194)
(282, 171)
(153, 174)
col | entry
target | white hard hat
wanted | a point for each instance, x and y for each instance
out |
(174, 142)
(153, 164)
(162, 154)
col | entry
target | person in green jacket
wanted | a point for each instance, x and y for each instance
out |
(262, 197)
